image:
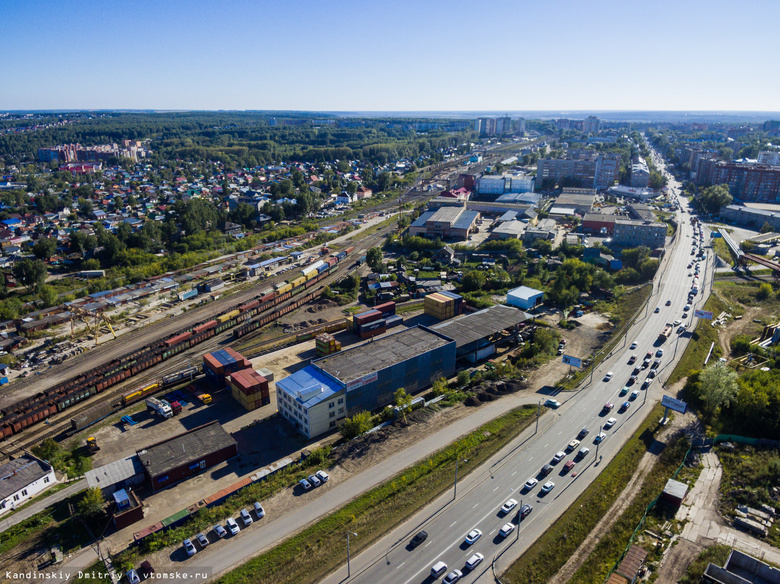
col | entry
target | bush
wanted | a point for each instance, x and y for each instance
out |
(358, 424)
(764, 291)
(463, 378)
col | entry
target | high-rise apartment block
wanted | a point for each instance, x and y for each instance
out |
(590, 168)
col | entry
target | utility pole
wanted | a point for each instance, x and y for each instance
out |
(349, 572)
(538, 410)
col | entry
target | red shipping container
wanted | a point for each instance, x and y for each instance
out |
(373, 333)
(210, 362)
(386, 308)
(367, 317)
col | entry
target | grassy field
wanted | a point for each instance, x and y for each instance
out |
(310, 555)
(609, 550)
(552, 550)
(720, 247)
(701, 339)
(621, 313)
(748, 475)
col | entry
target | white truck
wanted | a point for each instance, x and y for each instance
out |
(160, 407)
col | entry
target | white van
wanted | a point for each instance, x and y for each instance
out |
(438, 569)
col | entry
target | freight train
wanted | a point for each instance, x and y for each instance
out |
(247, 316)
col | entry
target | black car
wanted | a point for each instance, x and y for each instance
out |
(525, 510)
(418, 539)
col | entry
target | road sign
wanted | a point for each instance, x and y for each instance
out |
(702, 314)
(569, 360)
(674, 404)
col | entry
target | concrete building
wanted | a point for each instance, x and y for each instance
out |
(598, 223)
(476, 335)
(22, 479)
(640, 173)
(641, 212)
(509, 230)
(749, 182)
(630, 233)
(496, 185)
(589, 168)
(117, 475)
(581, 200)
(524, 298)
(592, 125)
(740, 568)
(317, 398)
(186, 455)
(635, 193)
(445, 223)
(545, 229)
(769, 157)
(750, 217)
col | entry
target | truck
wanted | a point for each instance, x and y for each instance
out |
(159, 407)
(666, 333)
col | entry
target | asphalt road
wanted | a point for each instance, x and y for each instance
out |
(481, 495)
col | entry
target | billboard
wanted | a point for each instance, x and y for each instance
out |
(361, 381)
(674, 404)
(569, 360)
(702, 314)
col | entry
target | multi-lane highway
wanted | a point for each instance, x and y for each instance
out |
(482, 494)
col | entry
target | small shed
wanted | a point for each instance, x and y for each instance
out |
(524, 298)
(674, 492)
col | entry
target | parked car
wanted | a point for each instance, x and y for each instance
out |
(246, 517)
(315, 482)
(220, 531)
(232, 526)
(132, 577)
(189, 548)
(305, 485)
(322, 475)
(259, 511)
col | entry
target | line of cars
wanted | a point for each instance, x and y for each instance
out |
(231, 526)
(314, 480)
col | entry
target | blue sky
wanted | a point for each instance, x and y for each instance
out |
(349, 55)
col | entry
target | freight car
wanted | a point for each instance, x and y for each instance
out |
(242, 317)
(91, 416)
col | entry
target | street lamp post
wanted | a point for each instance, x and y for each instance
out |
(349, 572)
(455, 490)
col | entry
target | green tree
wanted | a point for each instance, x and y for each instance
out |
(48, 296)
(766, 228)
(45, 247)
(358, 424)
(463, 378)
(718, 387)
(473, 280)
(713, 198)
(82, 242)
(403, 401)
(374, 258)
(91, 503)
(30, 273)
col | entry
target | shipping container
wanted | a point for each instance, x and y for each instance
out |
(386, 308)
(91, 416)
(367, 317)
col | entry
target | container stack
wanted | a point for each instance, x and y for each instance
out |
(219, 364)
(325, 345)
(394, 320)
(443, 305)
(249, 388)
(387, 309)
(369, 324)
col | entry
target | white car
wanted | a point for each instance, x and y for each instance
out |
(322, 475)
(473, 536)
(191, 550)
(220, 531)
(548, 486)
(232, 526)
(599, 438)
(508, 506)
(474, 561)
(530, 484)
(633, 345)
(246, 517)
(608, 376)
(559, 456)
(132, 577)
(506, 529)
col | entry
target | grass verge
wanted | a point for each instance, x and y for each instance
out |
(722, 249)
(622, 315)
(716, 554)
(607, 552)
(319, 549)
(702, 338)
(553, 548)
(97, 572)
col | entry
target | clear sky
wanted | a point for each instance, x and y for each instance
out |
(367, 55)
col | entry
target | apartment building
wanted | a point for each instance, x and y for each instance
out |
(592, 169)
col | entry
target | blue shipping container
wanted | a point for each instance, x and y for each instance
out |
(372, 326)
(394, 321)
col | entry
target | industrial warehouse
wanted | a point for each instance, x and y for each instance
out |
(322, 394)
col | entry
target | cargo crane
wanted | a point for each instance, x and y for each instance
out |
(85, 315)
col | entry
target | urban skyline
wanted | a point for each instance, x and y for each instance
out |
(349, 56)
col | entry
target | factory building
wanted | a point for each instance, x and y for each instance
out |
(445, 223)
(22, 479)
(186, 455)
(525, 298)
(317, 398)
(477, 335)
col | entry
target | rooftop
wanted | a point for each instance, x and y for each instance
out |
(172, 453)
(447, 214)
(21, 472)
(480, 324)
(310, 386)
(114, 472)
(466, 219)
(385, 352)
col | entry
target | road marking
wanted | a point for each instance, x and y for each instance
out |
(475, 506)
(492, 532)
(530, 459)
(546, 445)
(453, 523)
(399, 565)
(427, 544)
(514, 473)
(494, 490)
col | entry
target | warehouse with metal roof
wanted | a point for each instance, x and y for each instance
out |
(476, 335)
